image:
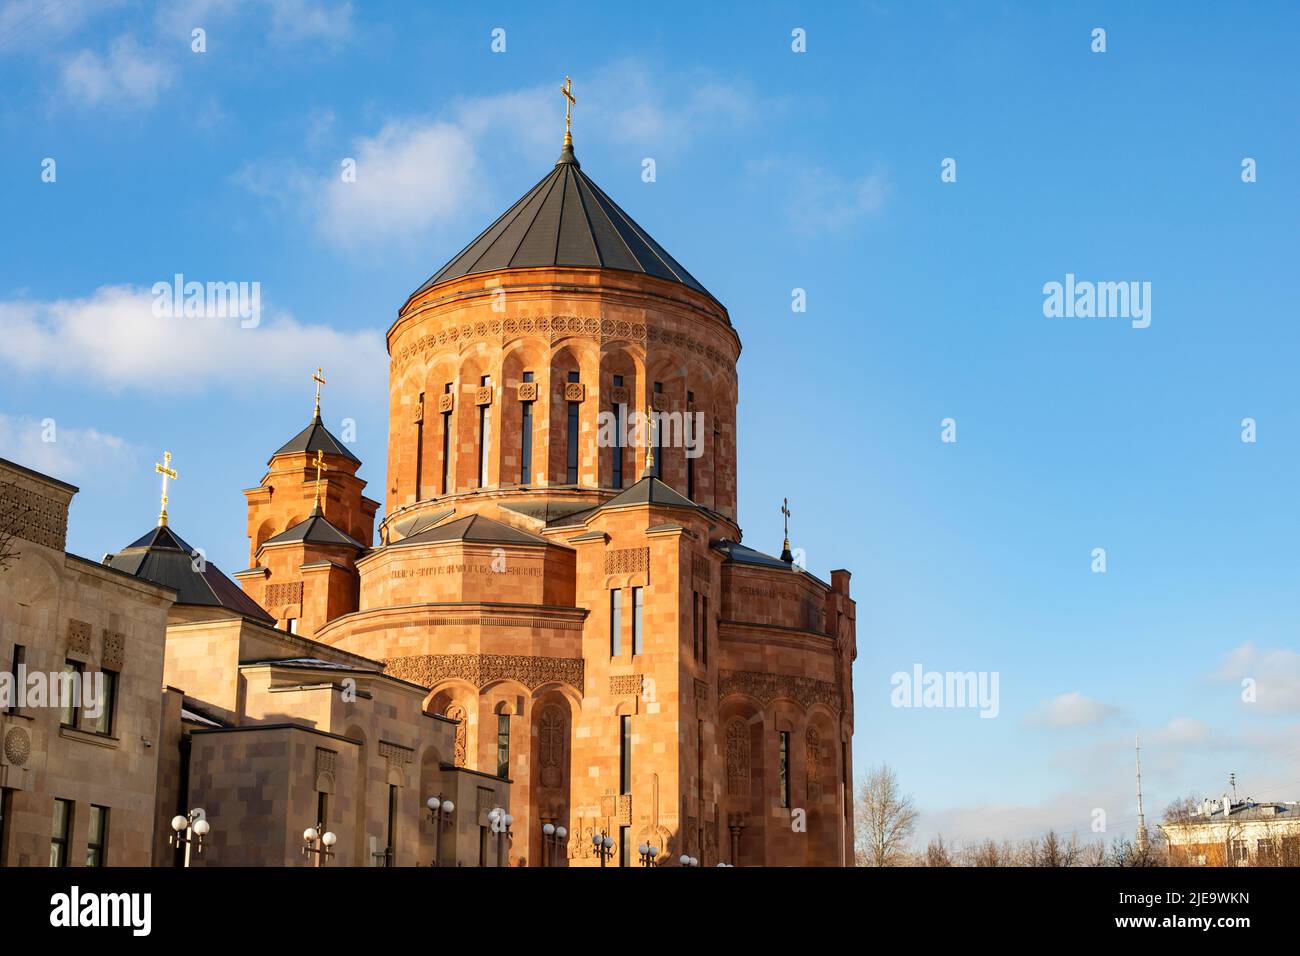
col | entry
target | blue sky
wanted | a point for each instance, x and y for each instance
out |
(775, 171)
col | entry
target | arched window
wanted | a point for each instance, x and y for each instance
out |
(737, 758)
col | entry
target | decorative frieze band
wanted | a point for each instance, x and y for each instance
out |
(766, 688)
(79, 637)
(627, 560)
(620, 684)
(396, 753)
(278, 595)
(554, 327)
(33, 517)
(428, 670)
(112, 649)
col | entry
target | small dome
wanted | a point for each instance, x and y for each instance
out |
(315, 437)
(161, 557)
(566, 220)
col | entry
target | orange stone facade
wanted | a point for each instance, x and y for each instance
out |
(721, 729)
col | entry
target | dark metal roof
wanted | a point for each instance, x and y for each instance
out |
(475, 528)
(565, 220)
(315, 529)
(650, 491)
(735, 551)
(315, 437)
(163, 558)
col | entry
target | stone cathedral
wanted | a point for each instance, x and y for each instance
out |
(578, 600)
(555, 613)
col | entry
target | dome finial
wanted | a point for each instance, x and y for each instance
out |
(786, 554)
(566, 154)
(167, 471)
(319, 378)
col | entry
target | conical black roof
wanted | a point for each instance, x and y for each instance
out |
(162, 557)
(565, 220)
(315, 437)
(315, 529)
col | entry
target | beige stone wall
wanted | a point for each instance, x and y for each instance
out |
(61, 607)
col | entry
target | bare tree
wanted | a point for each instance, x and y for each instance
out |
(11, 521)
(937, 852)
(887, 820)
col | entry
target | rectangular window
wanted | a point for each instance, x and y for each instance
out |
(323, 810)
(615, 622)
(617, 475)
(783, 768)
(699, 765)
(59, 834)
(625, 754)
(71, 688)
(571, 474)
(482, 846)
(419, 447)
(687, 424)
(503, 745)
(526, 440)
(6, 811)
(107, 705)
(97, 845)
(658, 434)
(390, 851)
(695, 625)
(291, 625)
(446, 442)
(624, 851)
(20, 655)
(704, 628)
(637, 636)
(484, 435)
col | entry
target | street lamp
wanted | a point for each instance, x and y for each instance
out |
(604, 846)
(552, 840)
(648, 853)
(501, 823)
(189, 829)
(440, 811)
(685, 860)
(319, 841)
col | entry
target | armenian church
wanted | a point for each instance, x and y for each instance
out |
(547, 611)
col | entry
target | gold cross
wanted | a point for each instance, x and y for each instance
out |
(570, 102)
(166, 471)
(785, 510)
(650, 448)
(319, 379)
(320, 466)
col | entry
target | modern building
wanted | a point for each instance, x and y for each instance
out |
(1230, 832)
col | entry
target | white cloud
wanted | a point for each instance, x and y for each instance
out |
(1276, 674)
(113, 339)
(124, 76)
(289, 21)
(34, 24)
(1073, 710)
(418, 174)
(64, 452)
(823, 201)
(408, 177)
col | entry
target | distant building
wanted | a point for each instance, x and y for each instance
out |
(1236, 833)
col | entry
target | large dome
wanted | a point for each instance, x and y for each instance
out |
(565, 220)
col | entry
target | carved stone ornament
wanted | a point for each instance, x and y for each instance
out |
(766, 688)
(18, 746)
(428, 670)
